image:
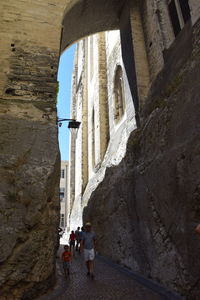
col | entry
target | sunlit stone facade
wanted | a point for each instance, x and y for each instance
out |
(64, 209)
(101, 100)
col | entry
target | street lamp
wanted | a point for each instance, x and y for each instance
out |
(73, 124)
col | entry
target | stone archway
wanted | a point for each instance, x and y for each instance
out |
(29, 164)
(84, 18)
(29, 154)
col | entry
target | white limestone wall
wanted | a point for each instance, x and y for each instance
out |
(93, 103)
(64, 184)
(114, 58)
(75, 218)
(78, 156)
(119, 132)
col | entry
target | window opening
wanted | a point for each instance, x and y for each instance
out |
(185, 9)
(179, 12)
(62, 220)
(62, 193)
(174, 18)
(62, 173)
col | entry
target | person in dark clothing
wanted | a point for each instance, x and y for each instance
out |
(77, 234)
(72, 239)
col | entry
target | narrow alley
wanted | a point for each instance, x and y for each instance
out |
(111, 282)
(100, 145)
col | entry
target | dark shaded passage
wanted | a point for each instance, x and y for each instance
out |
(110, 283)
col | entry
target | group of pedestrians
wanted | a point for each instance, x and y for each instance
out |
(83, 242)
(75, 240)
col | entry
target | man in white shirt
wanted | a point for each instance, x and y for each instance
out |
(88, 245)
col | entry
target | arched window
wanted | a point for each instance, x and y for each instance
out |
(119, 104)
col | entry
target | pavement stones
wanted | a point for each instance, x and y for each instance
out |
(109, 284)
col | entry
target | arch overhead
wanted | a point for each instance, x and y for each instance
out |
(85, 17)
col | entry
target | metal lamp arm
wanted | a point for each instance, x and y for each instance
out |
(61, 120)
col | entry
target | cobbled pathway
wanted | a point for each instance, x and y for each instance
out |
(109, 284)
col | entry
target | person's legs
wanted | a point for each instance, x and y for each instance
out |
(70, 246)
(65, 268)
(86, 258)
(91, 266)
(72, 243)
(91, 263)
(79, 248)
(77, 245)
(74, 248)
(68, 268)
(88, 268)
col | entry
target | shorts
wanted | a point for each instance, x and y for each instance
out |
(66, 264)
(89, 254)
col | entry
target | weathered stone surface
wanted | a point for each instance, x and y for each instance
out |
(93, 16)
(29, 154)
(29, 39)
(146, 209)
(29, 203)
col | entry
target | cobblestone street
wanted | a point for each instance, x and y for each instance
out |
(110, 283)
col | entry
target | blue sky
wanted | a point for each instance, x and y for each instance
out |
(64, 98)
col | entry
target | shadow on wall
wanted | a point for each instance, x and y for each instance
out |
(146, 209)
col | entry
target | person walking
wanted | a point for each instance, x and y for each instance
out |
(88, 246)
(66, 259)
(81, 233)
(77, 234)
(72, 239)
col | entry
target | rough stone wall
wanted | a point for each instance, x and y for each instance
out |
(195, 10)
(29, 154)
(151, 199)
(29, 168)
(158, 32)
(153, 38)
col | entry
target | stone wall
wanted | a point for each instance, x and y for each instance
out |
(29, 154)
(150, 201)
(29, 159)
